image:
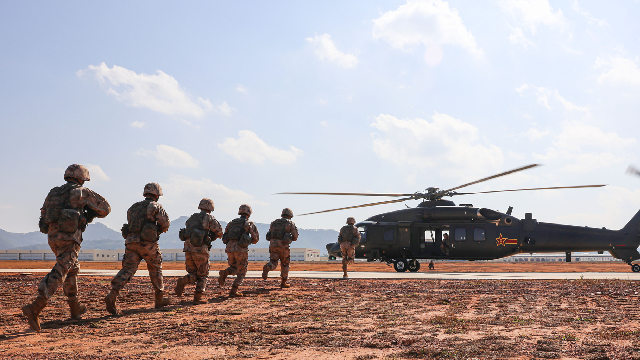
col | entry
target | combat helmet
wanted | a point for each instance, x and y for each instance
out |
(206, 205)
(244, 210)
(152, 189)
(351, 220)
(286, 212)
(78, 172)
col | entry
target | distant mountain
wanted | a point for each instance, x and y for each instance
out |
(99, 236)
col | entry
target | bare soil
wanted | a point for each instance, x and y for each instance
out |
(440, 266)
(334, 319)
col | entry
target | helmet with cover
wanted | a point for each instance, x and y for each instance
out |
(206, 205)
(244, 210)
(78, 172)
(288, 213)
(152, 189)
(351, 220)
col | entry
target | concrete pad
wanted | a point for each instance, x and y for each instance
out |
(382, 275)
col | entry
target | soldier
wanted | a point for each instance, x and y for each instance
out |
(146, 220)
(201, 229)
(348, 239)
(64, 216)
(238, 235)
(281, 233)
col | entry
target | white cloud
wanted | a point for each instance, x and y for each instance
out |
(6, 206)
(248, 147)
(585, 147)
(137, 124)
(241, 88)
(170, 156)
(576, 7)
(447, 145)
(618, 70)
(96, 173)
(322, 101)
(159, 92)
(225, 109)
(535, 134)
(615, 207)
(544, 94)
(425, 22)
(325, 49)
(530, 14)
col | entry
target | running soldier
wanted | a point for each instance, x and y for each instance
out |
(281, 233)
(348, 239)
(201, 229)
(146, 220)
(238, 235)
(64, 216)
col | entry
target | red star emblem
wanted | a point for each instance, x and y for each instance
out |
(501, 241)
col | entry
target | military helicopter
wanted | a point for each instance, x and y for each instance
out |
(438, 229)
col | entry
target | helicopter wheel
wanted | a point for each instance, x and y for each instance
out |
(635, 268)
(400, 265)
(414, 265)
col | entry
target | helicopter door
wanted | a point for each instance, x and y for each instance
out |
(404, 234)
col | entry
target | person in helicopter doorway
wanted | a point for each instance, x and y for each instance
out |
(444, 247)
(348, 239)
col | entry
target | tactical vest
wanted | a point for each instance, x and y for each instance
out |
(194, 230)
(58, 209)
(138, 216)
(279, 228)
(236, 230)
(346, 233)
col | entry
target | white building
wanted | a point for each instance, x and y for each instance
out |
(258, 254)
(558, 257)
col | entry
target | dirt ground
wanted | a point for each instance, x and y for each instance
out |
(440, 266)
(334, 319)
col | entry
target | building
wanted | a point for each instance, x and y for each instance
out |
(258, 254)
(557, 257)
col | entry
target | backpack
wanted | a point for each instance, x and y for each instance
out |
(139, 224)
(236, 230)
(279, 228)
(346, 233)
(58, 209)
(194, 231)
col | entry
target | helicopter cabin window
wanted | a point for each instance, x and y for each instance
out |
(389, 234)
(479, 234)
(460, 234)
(429, 236)
(363, 234)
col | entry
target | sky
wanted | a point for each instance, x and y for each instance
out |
(238, 101)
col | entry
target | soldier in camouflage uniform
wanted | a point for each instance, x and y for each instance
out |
(201, 229)
(64, 216)
(146, 220)
(238, 235)
(348, 239)
(281, 233)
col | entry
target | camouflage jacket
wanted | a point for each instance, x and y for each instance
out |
(353, 238)
(155, 214)
(277, 230)
(250, 227)
(209, 223)
(82, 199)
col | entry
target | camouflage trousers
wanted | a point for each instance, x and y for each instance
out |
(133, 255)
(64, 272)
(238, 263)
(283, 254)
(197, 264)
(348, 252)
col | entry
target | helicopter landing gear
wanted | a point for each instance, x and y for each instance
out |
(414, 265)
(400, 265)
(635, 267)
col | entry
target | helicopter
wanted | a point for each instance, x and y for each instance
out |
(438, 229)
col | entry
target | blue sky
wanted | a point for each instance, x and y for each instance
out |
(237, 101)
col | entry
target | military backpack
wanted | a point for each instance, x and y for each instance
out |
(139, 224)
(58, 209)
(195, 232)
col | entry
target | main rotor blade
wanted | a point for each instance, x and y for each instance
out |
(632, 170)
(544, 188)
(341, 193)
(359, 206)
(492, 177)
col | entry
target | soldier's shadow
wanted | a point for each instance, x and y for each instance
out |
(58, 324)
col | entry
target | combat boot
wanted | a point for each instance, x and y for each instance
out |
(32, 311)
(344, 270)
(284, 284)
(234, 292)
(180, 286)
(76, 307)
(110, 301)
(197, 298)
(265, 272)
(161, 301)
(223, 277)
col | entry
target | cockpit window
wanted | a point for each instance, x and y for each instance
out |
(460, 234)
(363, 234)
